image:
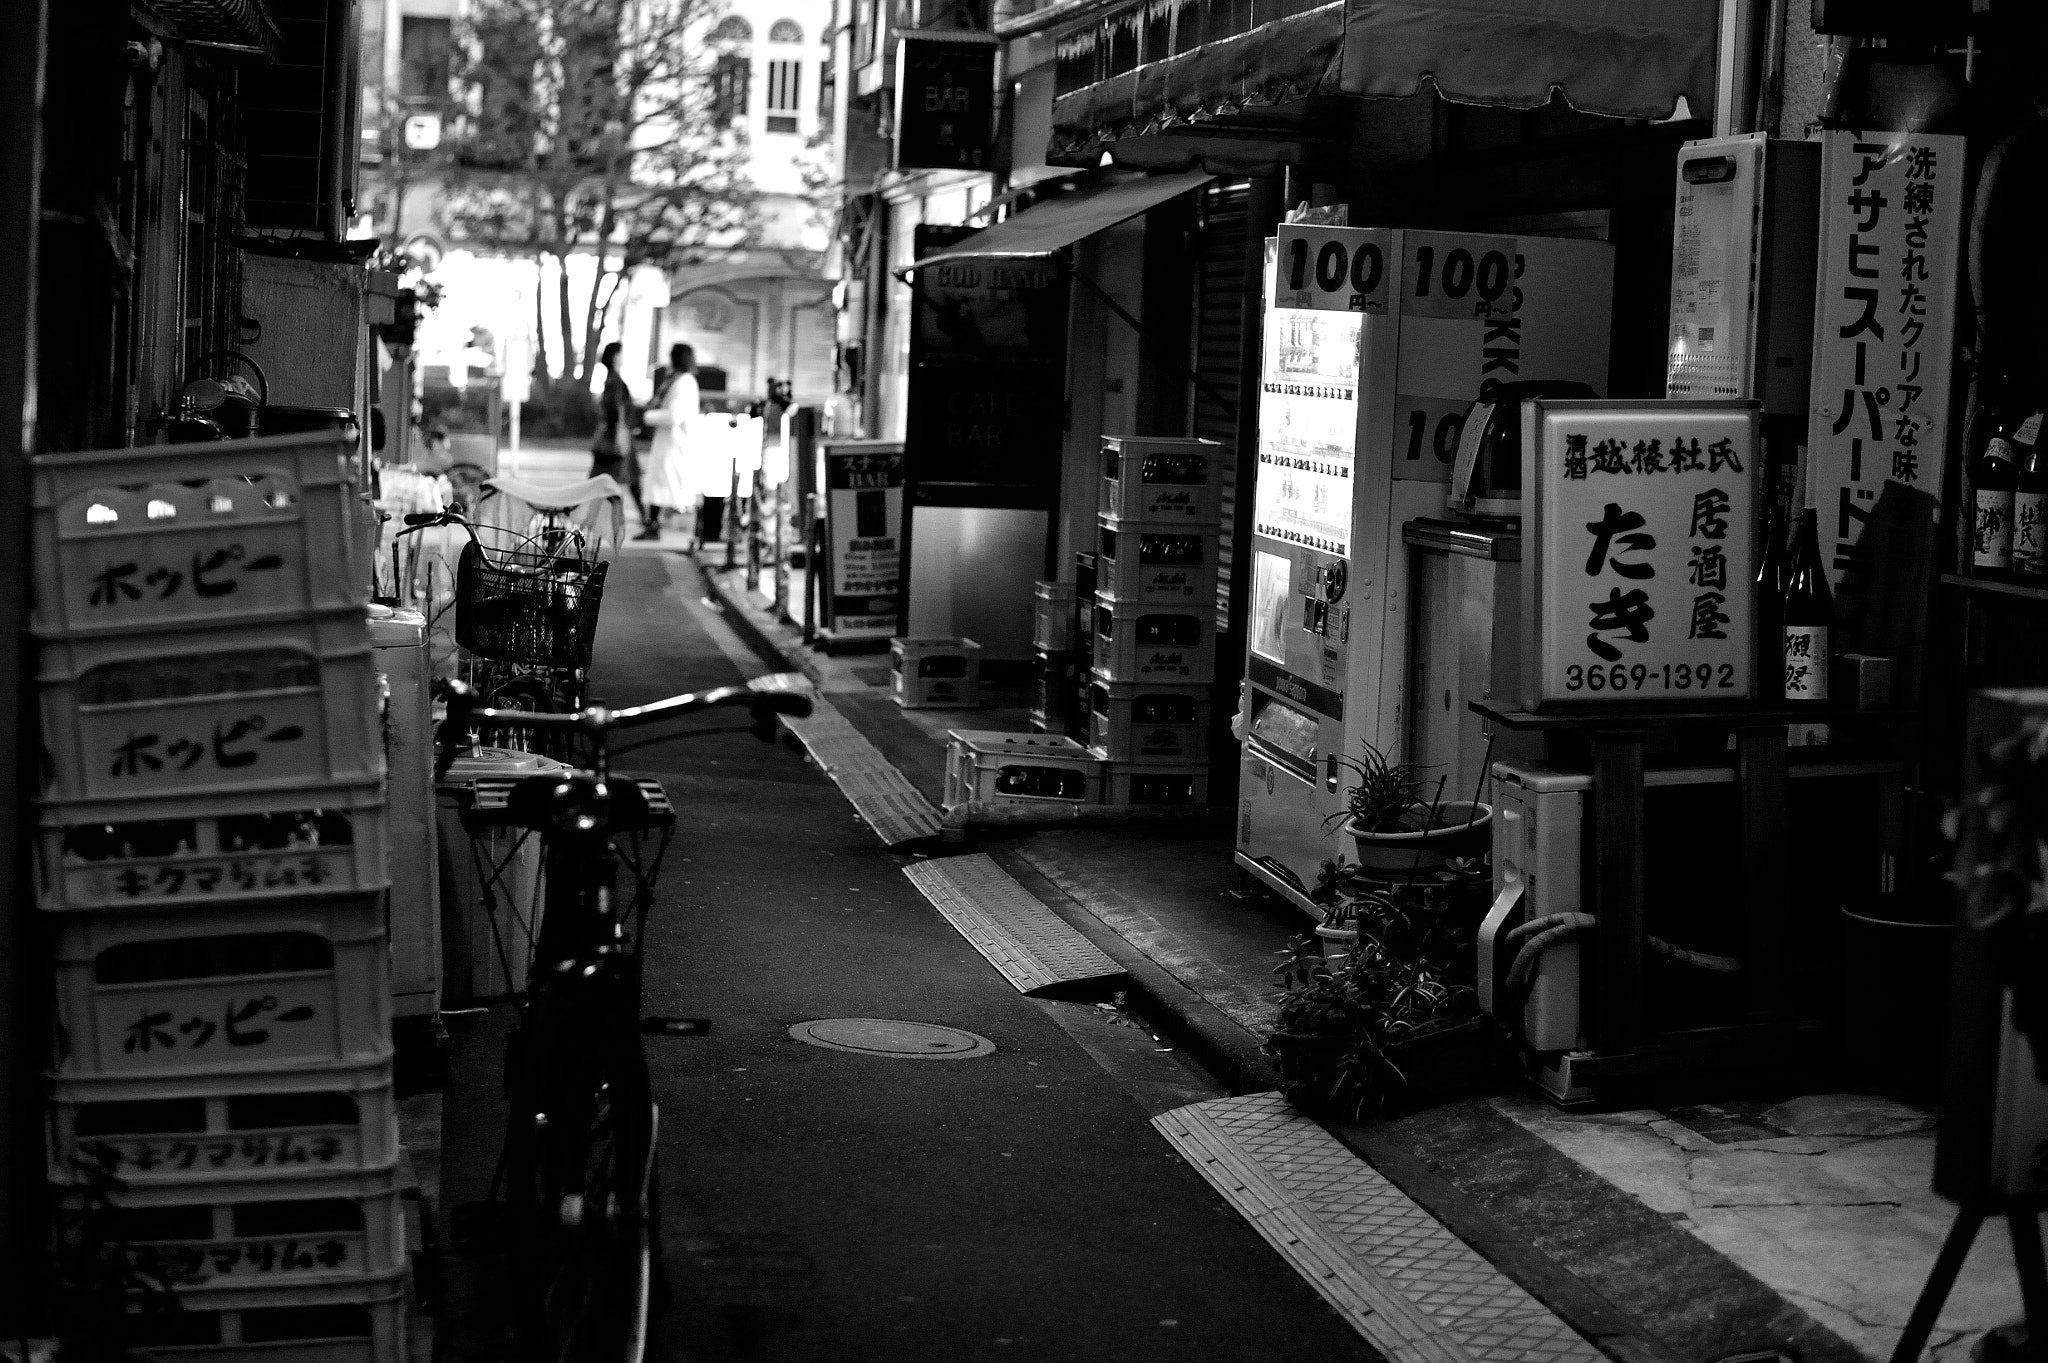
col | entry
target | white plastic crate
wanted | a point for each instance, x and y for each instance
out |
(222, 848)
(204, 990)
(1162, 482)
(285, 704)
(1148, 723)
(935, 674)
(1139, 643)
(1000, 768)
(362, 1321)
(267, 1128)
(1169, 565)
(1053, 607)
(343, 1227)
(223, 534)
(473, 940)
(1147, 783)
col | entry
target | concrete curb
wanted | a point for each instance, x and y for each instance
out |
(740, 616)
(1216, 1042)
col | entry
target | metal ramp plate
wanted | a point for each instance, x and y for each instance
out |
(891, 805)
(1416, 1292)
(1033, 946)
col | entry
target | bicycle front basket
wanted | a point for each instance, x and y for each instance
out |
(527, 608)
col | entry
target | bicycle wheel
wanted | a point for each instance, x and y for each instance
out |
(581, 1144)
(581, 1196)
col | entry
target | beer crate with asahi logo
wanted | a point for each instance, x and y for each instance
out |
(1162, 482)
(935, 674)
(1167, 564)
(1135, 642)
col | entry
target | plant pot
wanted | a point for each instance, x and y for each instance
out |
(1447, 1061)
(1308, 1064)
(1466, 830)
(1894, 947)
(1338, 944)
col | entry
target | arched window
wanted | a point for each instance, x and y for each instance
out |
(785, 31)
(733, 29)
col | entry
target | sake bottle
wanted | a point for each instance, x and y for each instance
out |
(1809, 610)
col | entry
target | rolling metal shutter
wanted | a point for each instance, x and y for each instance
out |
(1222, 215)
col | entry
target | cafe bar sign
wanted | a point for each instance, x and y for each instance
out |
(945, 100)
(1639, 579)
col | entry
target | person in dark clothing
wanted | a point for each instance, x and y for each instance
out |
(612, 450)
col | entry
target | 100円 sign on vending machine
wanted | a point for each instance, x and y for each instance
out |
(1640, 585)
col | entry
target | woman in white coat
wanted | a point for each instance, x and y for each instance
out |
(665, 484)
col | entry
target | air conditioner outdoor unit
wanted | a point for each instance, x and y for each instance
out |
(1692, 873)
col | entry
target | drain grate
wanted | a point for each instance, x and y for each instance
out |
(1395, 1273)
(1033, 946)
(897, 1040)
(891, 805)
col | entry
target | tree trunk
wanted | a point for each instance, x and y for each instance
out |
(562, 299)
(542, 374)
(592, 320)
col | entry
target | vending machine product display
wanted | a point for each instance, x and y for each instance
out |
(1376, 342)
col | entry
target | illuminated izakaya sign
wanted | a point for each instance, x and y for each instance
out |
(1642, 560)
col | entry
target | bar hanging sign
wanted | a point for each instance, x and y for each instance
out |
(1639, 580)
(863, 536)
(945, 101)
(1884, 328)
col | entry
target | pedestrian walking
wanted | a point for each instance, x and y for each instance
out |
(613, 451)
(683, 465)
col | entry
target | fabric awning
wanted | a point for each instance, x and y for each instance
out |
(230, 25)
(1173, 72)
(1057, 223)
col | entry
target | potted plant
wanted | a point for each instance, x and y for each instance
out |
(1397, 823)
(1395, 1016)
(1316, 1027)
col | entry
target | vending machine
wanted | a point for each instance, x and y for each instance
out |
(1376, 342)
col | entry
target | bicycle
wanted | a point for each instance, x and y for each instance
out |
(577, 1173)
(525, 611)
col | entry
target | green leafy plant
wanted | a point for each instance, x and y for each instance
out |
(1388, 796)
(1408, 978)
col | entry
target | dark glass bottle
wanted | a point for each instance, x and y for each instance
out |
(1809, 610)
(2030, 500)
(1994, 477)
(1770, 604)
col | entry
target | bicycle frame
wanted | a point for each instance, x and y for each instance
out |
(579, 1158)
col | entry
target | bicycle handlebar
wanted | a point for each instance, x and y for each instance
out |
(764, 697)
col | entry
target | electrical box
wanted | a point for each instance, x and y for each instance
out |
(1744, 251)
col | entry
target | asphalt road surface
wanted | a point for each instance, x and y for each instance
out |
(827, 1205)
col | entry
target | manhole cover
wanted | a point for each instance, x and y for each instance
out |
(891, 1038)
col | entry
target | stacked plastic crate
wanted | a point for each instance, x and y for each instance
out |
(212, 877)
(1154, 617)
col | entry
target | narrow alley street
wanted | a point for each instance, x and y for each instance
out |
(819, 1204)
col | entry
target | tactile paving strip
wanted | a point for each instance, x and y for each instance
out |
(891, 805)
(1416, 1292)
(1033, 946)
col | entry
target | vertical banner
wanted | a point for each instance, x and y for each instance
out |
(863, 537)
(1641, 576)
(1892, 227)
